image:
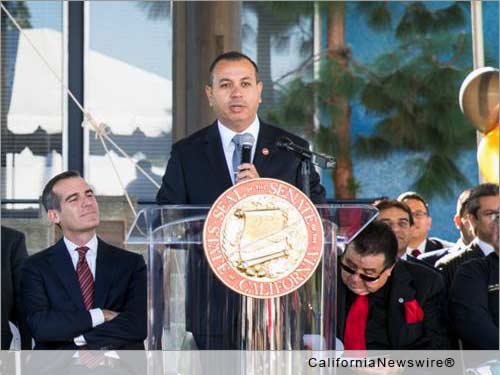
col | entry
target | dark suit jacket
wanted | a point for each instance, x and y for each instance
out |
(450, 263)
(433, 256)
(474, 303)
(54, 306)
(432, 244)
(409, 281)
(14, 254)
(197, 171)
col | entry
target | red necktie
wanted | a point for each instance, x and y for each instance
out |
(355, 327)
(85, 278)
(416, 252)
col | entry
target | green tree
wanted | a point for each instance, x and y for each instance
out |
(275, 21)
(333, 90)
(413, 91)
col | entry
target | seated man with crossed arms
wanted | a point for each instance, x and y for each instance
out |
(82, 292)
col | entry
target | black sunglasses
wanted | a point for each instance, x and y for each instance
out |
(362, 276)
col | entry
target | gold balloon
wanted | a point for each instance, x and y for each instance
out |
(487, 156)
(479, 98)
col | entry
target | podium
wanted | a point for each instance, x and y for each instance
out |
(189, 308)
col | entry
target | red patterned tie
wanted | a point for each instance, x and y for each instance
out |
(85, 278)
(355, 327)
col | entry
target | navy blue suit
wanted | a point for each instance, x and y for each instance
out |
(14, 254)
(197, 171)
(53, 301)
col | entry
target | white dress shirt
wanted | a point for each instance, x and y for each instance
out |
(228, 146)
(91, 256)
(485, 247)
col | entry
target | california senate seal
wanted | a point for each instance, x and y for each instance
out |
(263, 238)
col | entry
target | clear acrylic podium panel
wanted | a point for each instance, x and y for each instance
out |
(189, 308)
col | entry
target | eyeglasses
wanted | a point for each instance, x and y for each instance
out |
(419, 214)
(490, 215)
(403, 223)
(362, 276)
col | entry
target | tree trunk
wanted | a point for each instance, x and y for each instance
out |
(341, 123)
(202, 31)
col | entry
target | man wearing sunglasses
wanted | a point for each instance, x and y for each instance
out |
(384, 303)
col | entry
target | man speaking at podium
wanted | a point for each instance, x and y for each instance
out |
(204, 165)
(236, 147)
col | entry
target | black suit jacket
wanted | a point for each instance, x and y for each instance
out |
(409, 281)
(14, 254)
(450, 263)
(474, 303)
(197, 171)
(54, 306)
(432, 245)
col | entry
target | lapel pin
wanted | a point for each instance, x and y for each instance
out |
(401, 300)
(265, 151)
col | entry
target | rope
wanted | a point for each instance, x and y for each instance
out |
(100, 129)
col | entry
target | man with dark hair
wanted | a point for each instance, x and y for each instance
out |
(482, 209)
(420, 242)
(474, 299)
(204, 165)
(463, 224)
(82, 292)
(14, 254)
(398, 216)
(207, 163)
(384, 303)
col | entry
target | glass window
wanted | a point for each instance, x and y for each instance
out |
(32, 104)
(128, 87)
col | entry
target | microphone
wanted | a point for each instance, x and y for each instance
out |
(246, 142)
(320, 160)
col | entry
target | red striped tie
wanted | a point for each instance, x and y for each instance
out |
(85, 278)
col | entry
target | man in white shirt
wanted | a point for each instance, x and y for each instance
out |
(463, 224)
(207, 163)
(420, 242)
(398, 216)
(82, 292)
(482, 209)
(204, 165)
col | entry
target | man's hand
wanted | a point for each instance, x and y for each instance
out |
(246, 171)
(109, 315)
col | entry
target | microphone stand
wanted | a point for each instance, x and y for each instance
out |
(307, 157)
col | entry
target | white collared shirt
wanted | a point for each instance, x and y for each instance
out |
(228, 146)
(91, 257)
(485, 247)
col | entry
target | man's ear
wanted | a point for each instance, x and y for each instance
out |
(53, 216)
(391, 268)
(208, 92)
(473, 221)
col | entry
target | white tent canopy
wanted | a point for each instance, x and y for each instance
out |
(121, 95)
